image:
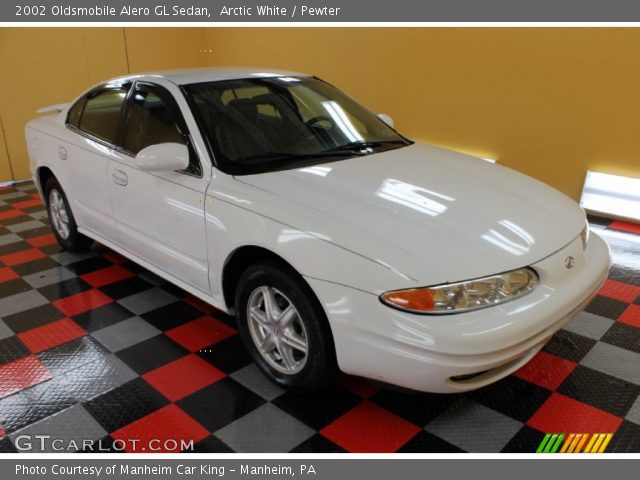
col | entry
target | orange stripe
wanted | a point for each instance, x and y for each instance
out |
(582, 440)
(567, 442)
(573, 445)
(591, 441)
(606, 441)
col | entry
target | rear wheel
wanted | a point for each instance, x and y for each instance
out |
(62, 221)
(284, 328)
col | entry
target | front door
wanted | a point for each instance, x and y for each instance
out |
(159, 216)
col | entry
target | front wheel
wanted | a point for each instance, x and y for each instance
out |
(284, 328)
(62, 221)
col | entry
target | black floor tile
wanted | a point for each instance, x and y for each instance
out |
(102, 317)
(151, 354)
(227, 355)
(427, 442)
(569, 345)
(320, 409)
(602, 391)
(220, 403)
(125, 404)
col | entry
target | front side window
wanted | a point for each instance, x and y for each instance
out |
(264, 124)
(101, 114)
(150, 122)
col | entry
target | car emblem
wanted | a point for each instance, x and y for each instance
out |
(569, 262)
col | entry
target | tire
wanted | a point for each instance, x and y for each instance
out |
(286, 365)
(63, 224)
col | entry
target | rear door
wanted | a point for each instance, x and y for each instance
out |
(159, 216)
(94, 123)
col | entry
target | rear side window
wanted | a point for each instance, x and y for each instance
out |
(75, 112)
(101, 114)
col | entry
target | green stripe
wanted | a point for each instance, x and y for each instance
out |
(558, 443)
(550, 443)
(543, 443)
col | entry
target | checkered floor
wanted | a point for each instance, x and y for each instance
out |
(93, 346)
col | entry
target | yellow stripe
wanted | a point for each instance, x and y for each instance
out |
(567, 442)
(573, 445)
(606, 441)
(596, 445)
(582, 440)
(590, 444)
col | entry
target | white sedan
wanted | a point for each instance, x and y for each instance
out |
(337, 242)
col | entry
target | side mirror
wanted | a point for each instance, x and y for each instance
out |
(163, 157)
(386, 119)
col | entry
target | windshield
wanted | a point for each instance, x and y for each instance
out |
(264, 124)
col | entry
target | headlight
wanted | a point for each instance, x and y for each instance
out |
(464, 296)
(584, 235)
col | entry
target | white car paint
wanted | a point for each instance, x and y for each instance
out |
(412, 217)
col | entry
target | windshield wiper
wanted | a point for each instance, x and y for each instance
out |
(298, 156)
(359, 145)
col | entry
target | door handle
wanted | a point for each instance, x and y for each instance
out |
(119, 178)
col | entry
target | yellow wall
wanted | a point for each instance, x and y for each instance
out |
(549, 102)
(44, 66)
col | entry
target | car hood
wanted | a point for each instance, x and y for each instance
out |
(430, 214)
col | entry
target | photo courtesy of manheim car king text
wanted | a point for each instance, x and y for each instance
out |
(319, 239)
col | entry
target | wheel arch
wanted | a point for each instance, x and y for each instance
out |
(239, 260)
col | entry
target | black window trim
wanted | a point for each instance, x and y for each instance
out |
(87, 96)
(176, 113)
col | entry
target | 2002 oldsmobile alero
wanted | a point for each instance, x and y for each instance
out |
(337, 242)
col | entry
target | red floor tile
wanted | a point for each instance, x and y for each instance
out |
(170, 424)
(620, 291)
(106, 276)
(370, 428)
(546, 370)
(199, 304)
(626, 226)
(200, 333)
(34, 202)
(22, 373)
(563, 414)
(82, 302)
(50, 335)
(42, 240)
(631, 316)
(7, 274)
(2, 433)
(10, 214)
(114, 257)
(23, 256)
(360, 386)
(183, 377)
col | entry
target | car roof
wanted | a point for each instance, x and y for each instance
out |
(197, 75)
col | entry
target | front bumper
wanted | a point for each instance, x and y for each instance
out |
(460, 352)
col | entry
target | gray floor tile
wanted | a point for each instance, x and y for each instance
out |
(8, 238)
(13, 195)
(66, 258)
(5, 331)
(48, 277)
(95, 378)
(125, 333)
(252, 378)
(589, 325)
(614, 361)
(73, 424)
(266, 429)
(633, 415)
(147, 300)
(21, 227)
(21, 302)
(39, 215)
(474, 427)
